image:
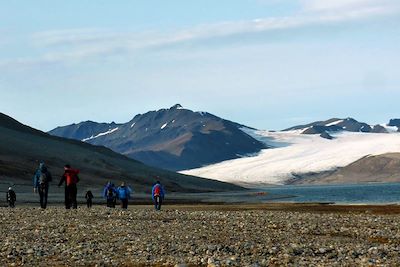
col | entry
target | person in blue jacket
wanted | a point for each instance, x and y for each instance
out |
(124, 194)
(110, 194)
(157, 194)
(41, 180)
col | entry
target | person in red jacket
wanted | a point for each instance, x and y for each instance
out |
(70, 177)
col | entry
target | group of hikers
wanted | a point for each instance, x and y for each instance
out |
(70, 178)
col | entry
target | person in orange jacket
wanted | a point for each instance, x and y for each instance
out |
(71, 178)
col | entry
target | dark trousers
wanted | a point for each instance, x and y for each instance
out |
(11, 203)
(111, 202)
(89, 202)
(70, 196)
(157, 202)
(43, 193)
(124, 203)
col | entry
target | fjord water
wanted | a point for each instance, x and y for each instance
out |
(379, 193)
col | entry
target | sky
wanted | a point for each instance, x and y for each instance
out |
(269, 64)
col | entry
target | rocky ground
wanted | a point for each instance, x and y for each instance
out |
(197, 235)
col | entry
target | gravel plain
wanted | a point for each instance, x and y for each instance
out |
(197, 236)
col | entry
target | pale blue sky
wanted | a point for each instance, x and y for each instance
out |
(269, 64)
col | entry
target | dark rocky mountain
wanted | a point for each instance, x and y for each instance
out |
(335, 125)
(22, 147)
(395, 123)
(379, 168)
(174, 138)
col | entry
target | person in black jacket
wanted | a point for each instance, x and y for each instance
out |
(89, 197)
(11, 197)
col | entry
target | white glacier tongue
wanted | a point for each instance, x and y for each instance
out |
(298, 153)
(100, 134)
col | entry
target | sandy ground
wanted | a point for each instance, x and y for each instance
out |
(273, 234)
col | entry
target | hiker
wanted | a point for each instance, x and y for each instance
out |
(110, 193)
(157, 193)
(11, 197)
(41, 181)
(70, 177)
(89, 196)
(124, 194)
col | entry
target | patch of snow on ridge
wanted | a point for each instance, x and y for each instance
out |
(334, 123)
(100, 134)
(164, 125)
(297, 153)
(133, 124)
(390, 129)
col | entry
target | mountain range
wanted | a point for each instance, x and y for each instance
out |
(173, 139)
(324, 128)
(205, 145)
(22, 148)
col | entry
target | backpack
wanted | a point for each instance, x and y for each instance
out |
(123, 193)
(71, 178)
(42, 178)
(110, 193)
(157, 190)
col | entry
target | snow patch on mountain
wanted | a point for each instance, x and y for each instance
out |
(295, 153)
(390, 129)
(133, 124)
(334, 123)
(100, 134)
(164, 125)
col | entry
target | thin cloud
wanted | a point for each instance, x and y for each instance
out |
(82, 44)
(347, 5)
(72, 37)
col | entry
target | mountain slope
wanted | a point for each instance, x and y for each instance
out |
(173, 139)
(22, 147)
(378, 168)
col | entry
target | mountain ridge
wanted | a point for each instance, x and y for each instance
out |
(174, 138)
(346, 124)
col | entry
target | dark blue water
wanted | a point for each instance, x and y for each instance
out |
(354, 193)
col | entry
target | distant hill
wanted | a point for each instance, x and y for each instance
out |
(335, 125)
(22, 147)
(380, 168)
(174, 138)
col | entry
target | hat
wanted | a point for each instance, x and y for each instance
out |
(10, 188)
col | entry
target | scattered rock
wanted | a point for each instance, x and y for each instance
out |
(190, 238)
